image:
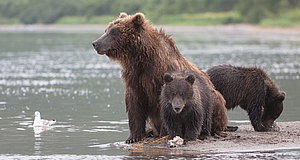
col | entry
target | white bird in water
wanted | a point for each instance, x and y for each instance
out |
(38, 122)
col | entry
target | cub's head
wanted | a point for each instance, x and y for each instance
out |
(178, 90)
(121, 36)
(273, 108)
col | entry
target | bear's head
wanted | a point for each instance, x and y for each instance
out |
(273, 108)
(178, 90)
(122, 36)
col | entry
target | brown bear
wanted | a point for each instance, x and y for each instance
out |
(253, 90)
(184, 101)
(144, 54)
(187, 106)
(219, 116)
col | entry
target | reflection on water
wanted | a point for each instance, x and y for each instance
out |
(39, 129)
(60, 75)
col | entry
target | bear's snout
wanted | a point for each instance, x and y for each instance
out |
(177, 109)
(94, 44)
(178, 104)
(101, 47)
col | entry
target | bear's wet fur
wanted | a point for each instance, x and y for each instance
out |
(251, 89)
(144, 54)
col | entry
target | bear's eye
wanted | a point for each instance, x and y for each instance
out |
(114, 31)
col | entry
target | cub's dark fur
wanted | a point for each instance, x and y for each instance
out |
(187, 105)
(253, 90)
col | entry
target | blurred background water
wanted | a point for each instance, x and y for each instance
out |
(60, 75)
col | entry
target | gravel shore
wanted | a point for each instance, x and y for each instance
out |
(245, 139)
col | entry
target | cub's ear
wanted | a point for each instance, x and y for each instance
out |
(123, 15)
(138, 19)
(168, 78)
(281, 96)
(190, 79)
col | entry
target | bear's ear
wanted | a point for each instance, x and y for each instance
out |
(138, 19)
(123, 15)
(168, 78)
(190, 79)
(281, 96)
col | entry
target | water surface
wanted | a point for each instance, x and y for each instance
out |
(60, 75)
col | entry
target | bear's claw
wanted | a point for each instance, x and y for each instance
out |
(132, 140)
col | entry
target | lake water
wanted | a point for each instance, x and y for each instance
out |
(60, 75)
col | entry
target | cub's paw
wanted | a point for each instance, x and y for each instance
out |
(274, 128)
(203, 137)
(261, 129)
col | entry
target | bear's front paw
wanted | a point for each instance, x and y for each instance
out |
(274, 128)
(132, 139)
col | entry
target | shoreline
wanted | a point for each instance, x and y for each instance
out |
(244, 140)
(100, 28)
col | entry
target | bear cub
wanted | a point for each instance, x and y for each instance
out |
(186, 105)
(253, 90)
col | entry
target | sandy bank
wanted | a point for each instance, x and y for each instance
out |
(245, 139)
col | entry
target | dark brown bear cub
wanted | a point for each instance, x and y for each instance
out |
(187, 106)
(253, 90)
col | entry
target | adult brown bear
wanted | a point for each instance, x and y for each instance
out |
(144, 54)
(253, 90)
